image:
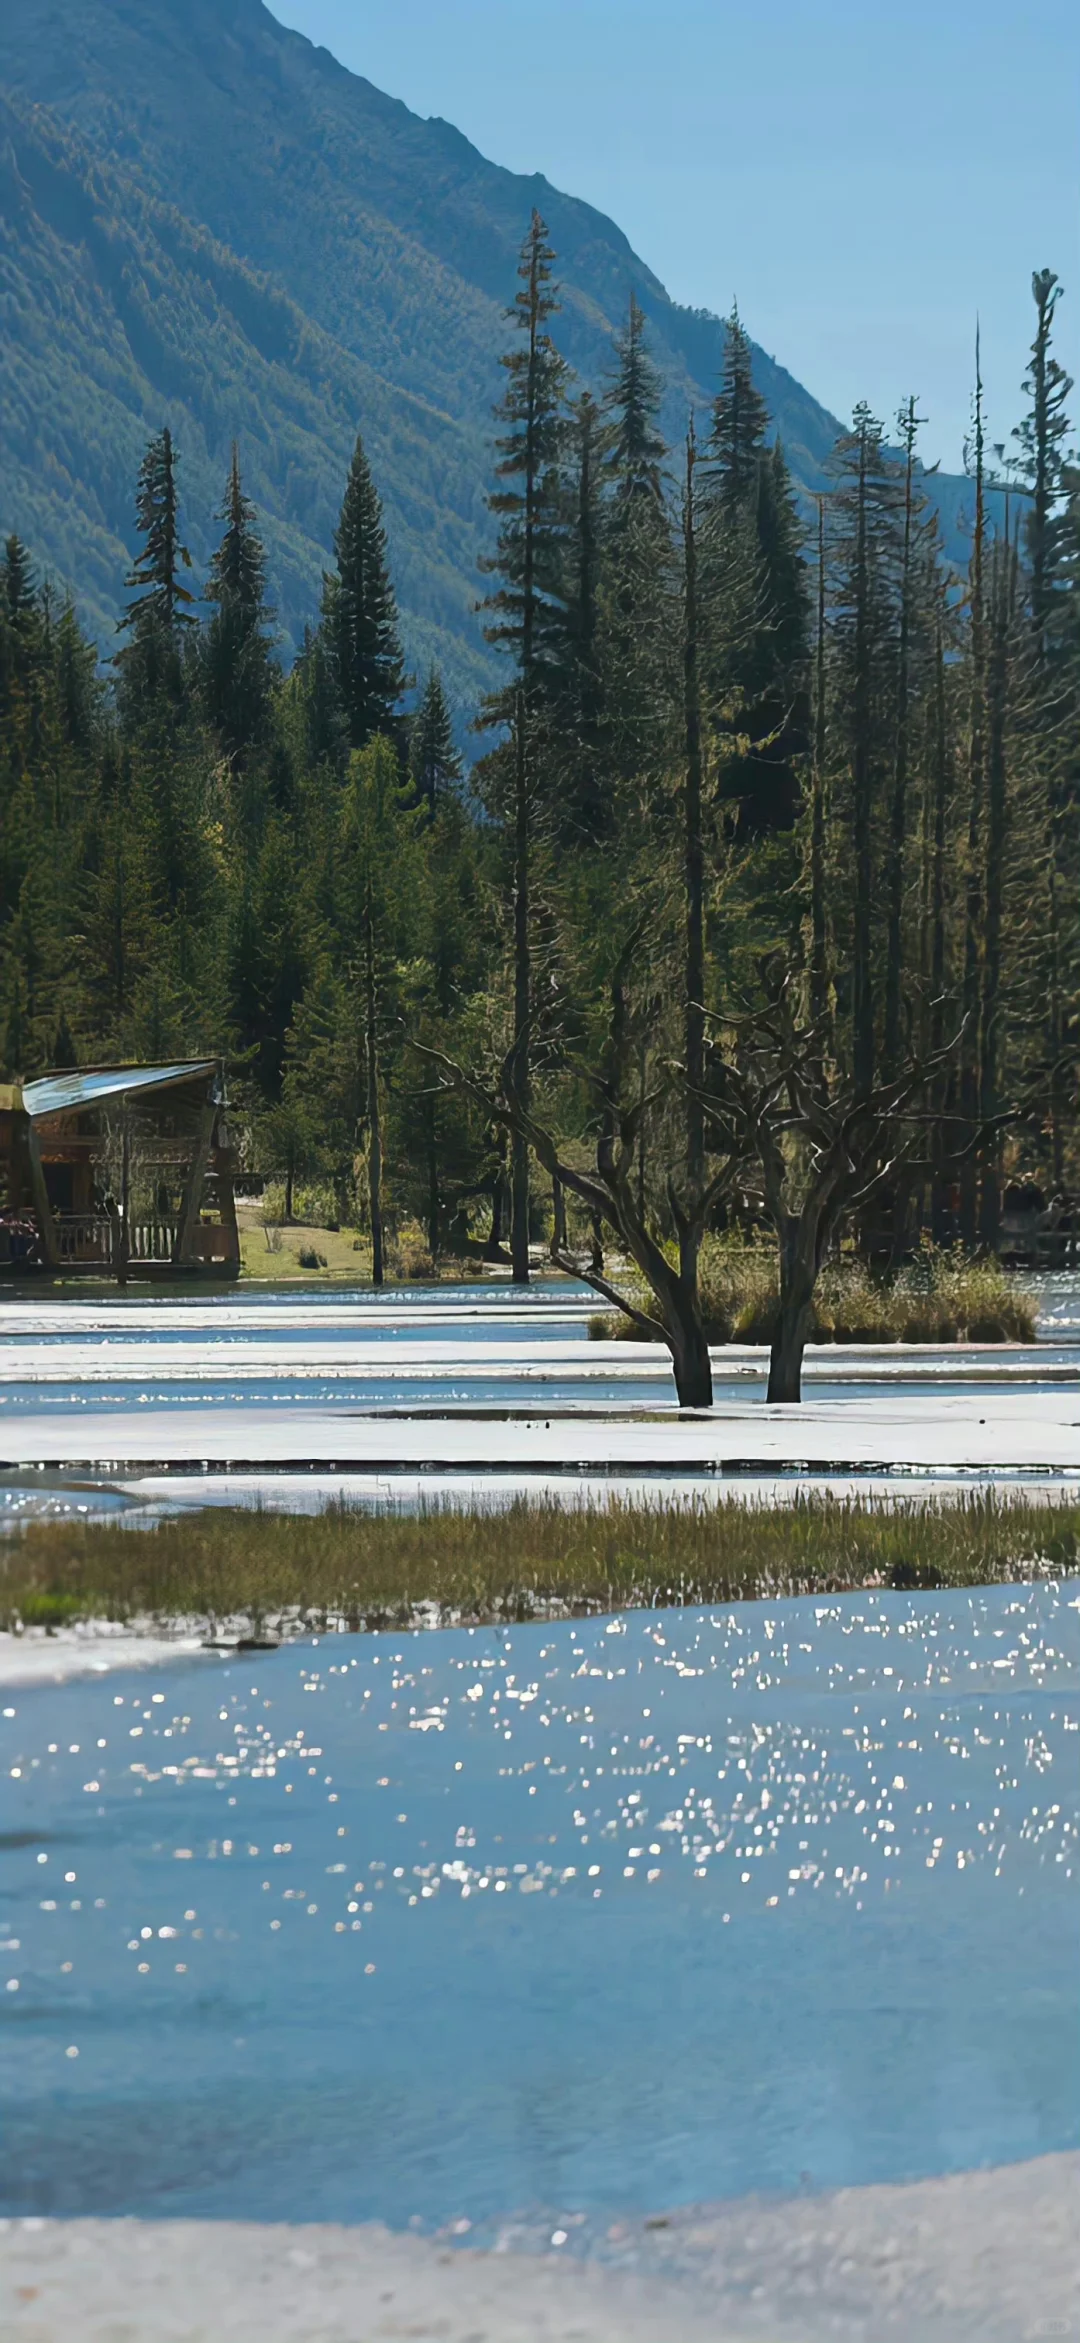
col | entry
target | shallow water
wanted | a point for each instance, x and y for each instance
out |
(589, 1918)
(436, 1392)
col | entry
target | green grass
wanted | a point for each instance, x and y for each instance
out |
(363, 1570)
(941, 1296)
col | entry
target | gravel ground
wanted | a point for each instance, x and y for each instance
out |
(982, 2257)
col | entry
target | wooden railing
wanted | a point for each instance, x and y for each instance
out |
(93, 1240)
(86, 1237)
(96, 1237)
(153, 1240)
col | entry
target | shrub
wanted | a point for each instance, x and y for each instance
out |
(941, 1296)
(314, 1207)
(310, 1259)
(409, 1255)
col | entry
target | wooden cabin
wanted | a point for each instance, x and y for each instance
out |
(118, 1172)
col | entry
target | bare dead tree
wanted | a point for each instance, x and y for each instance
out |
(815, 1145)
(793, 1136)
(610, 1189)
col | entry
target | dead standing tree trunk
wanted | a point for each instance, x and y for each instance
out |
(371, 1040)
(814, 1145)
(519, 1145)
(610, 1190)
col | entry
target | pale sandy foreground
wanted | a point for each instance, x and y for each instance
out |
(982, 2257)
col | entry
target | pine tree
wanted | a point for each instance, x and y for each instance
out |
(781, 539)
(866, 507)
(1041, 436)
(21, 656)
(634, 650)
(968, 1075)
(753, 596)
(269, 953)
(311, 697)
(820, 989)
(693, 836)
(238, 568)
(527, 607)
(236, 665)
(1001, 667)
(740, 424)
(528, 616)
(18, 589)
(434, 759)
(160, 599)
(895, 873)
(774, 674)
(634, 460)
(79, 690)
(360, 619)
(113, 913)
(584, 809)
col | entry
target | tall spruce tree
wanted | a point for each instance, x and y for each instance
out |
(740, 421)
(635, 453)
(527, 618)
(895, 872)
(236, 664)
(754, 594)
(1041, 436)
(360, 620)
(160, 598)
(777, 676)
(866, 507)
(640, 686)
(968, 1073)
(585, 808)
(527, 607)
(1001, 667)
(18, 590)
(434, 758)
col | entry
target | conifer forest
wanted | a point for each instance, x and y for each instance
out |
(750, 898)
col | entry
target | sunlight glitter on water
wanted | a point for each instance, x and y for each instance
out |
(609, 1914)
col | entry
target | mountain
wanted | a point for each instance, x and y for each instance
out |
(206, 220)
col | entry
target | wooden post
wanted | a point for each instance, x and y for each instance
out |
(123, 1246)
(47, 1225)
(227, 1199)
(189, 1214)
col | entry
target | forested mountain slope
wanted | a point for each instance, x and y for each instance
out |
(206, 220)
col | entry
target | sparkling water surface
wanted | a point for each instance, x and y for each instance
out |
(587, 1918)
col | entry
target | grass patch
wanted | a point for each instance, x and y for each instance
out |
(353, 1569)
(278, 1252)
(940, 1296)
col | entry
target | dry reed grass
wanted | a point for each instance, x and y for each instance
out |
(941, 1296)
(360, 1569)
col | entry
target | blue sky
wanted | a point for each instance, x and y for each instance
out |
(863, 178)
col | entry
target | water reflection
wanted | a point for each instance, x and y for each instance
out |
(603, 1915)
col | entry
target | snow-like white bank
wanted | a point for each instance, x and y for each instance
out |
(312, 1492)
(27, 1318)
(973, 1431)
(93, 1648)
(980, 2257)
(107, 1359)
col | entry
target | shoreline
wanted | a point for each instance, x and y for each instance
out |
(972, 2257)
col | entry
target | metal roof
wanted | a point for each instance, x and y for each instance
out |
(65, 1093)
